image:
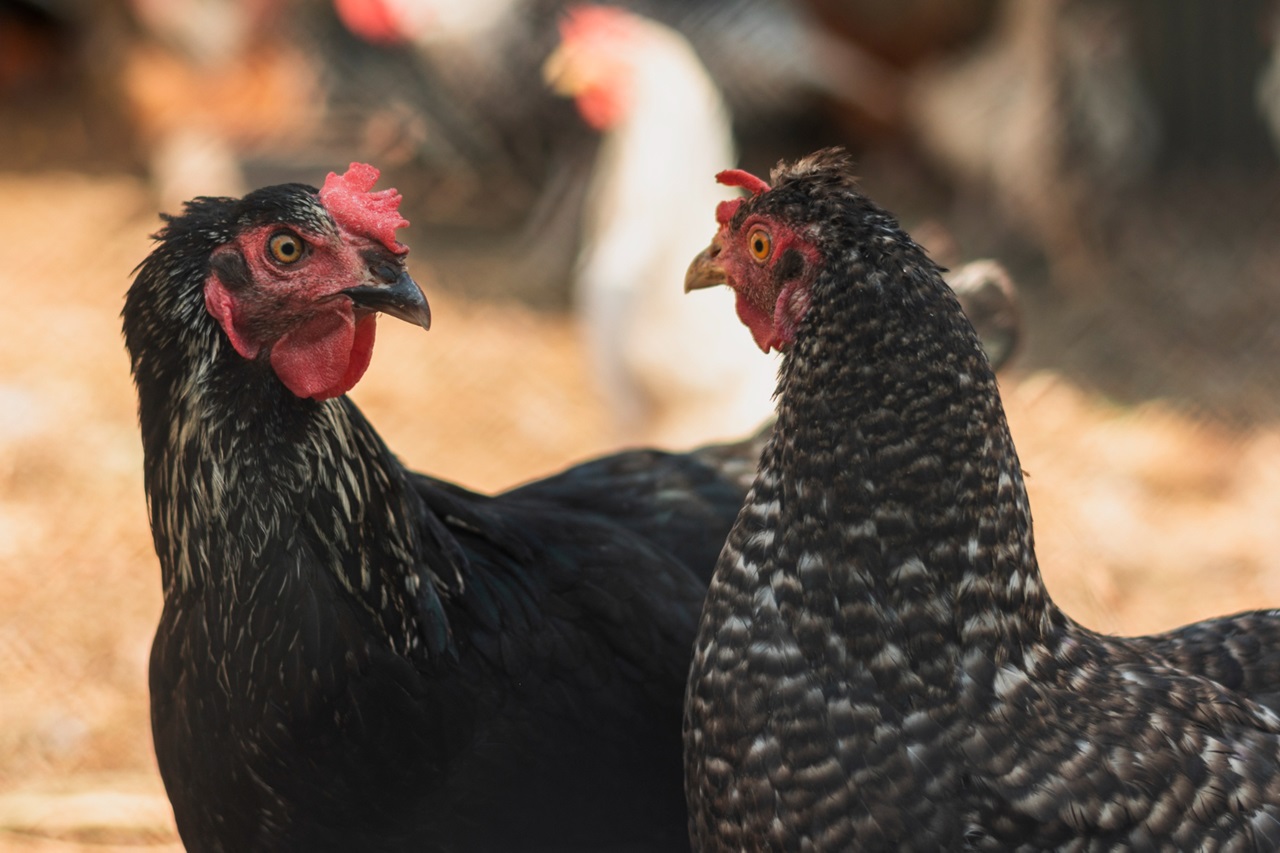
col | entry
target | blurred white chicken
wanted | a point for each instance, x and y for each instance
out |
(676, 368)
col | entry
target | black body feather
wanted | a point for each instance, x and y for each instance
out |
(879, 665)
(352, 656)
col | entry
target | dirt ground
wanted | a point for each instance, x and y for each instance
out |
(1146, 516)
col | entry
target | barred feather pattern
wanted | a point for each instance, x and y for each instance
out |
(879, 665)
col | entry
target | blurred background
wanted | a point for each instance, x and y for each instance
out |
(1120, 159)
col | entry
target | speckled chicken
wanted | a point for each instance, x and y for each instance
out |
(879, 665)
(353, 656)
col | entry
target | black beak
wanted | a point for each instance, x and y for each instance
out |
(402, 298)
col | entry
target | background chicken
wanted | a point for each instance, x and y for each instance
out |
(354, 656)
(877, 630)
(676, 370)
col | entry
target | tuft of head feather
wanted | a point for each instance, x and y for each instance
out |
(349, 201)
(835, 162)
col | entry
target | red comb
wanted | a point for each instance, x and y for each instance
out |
(375, 21)
(737, 178)
(740, 178)
(593, 23)
(726, 209)
(354, 208)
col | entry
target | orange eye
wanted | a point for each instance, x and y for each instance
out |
(759, 243)
(286, 247)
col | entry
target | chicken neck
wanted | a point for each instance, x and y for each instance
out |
(892, 448)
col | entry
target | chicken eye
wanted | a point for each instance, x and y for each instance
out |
(760, 244)
(286, 247)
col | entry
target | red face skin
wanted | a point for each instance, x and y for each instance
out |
(772, 298)
(319, 342)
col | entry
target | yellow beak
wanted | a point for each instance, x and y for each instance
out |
(561, 73)
(706, 270)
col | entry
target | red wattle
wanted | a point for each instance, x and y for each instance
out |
(600, 108)
(759, 323)
(325, 356)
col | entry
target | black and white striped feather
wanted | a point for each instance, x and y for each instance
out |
(879, 665)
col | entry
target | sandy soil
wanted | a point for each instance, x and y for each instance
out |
(1146, 517)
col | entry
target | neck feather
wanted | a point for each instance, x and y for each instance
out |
(251, 489)
(892, 451)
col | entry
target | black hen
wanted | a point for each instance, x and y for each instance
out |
(352, 656)
(879, 666)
